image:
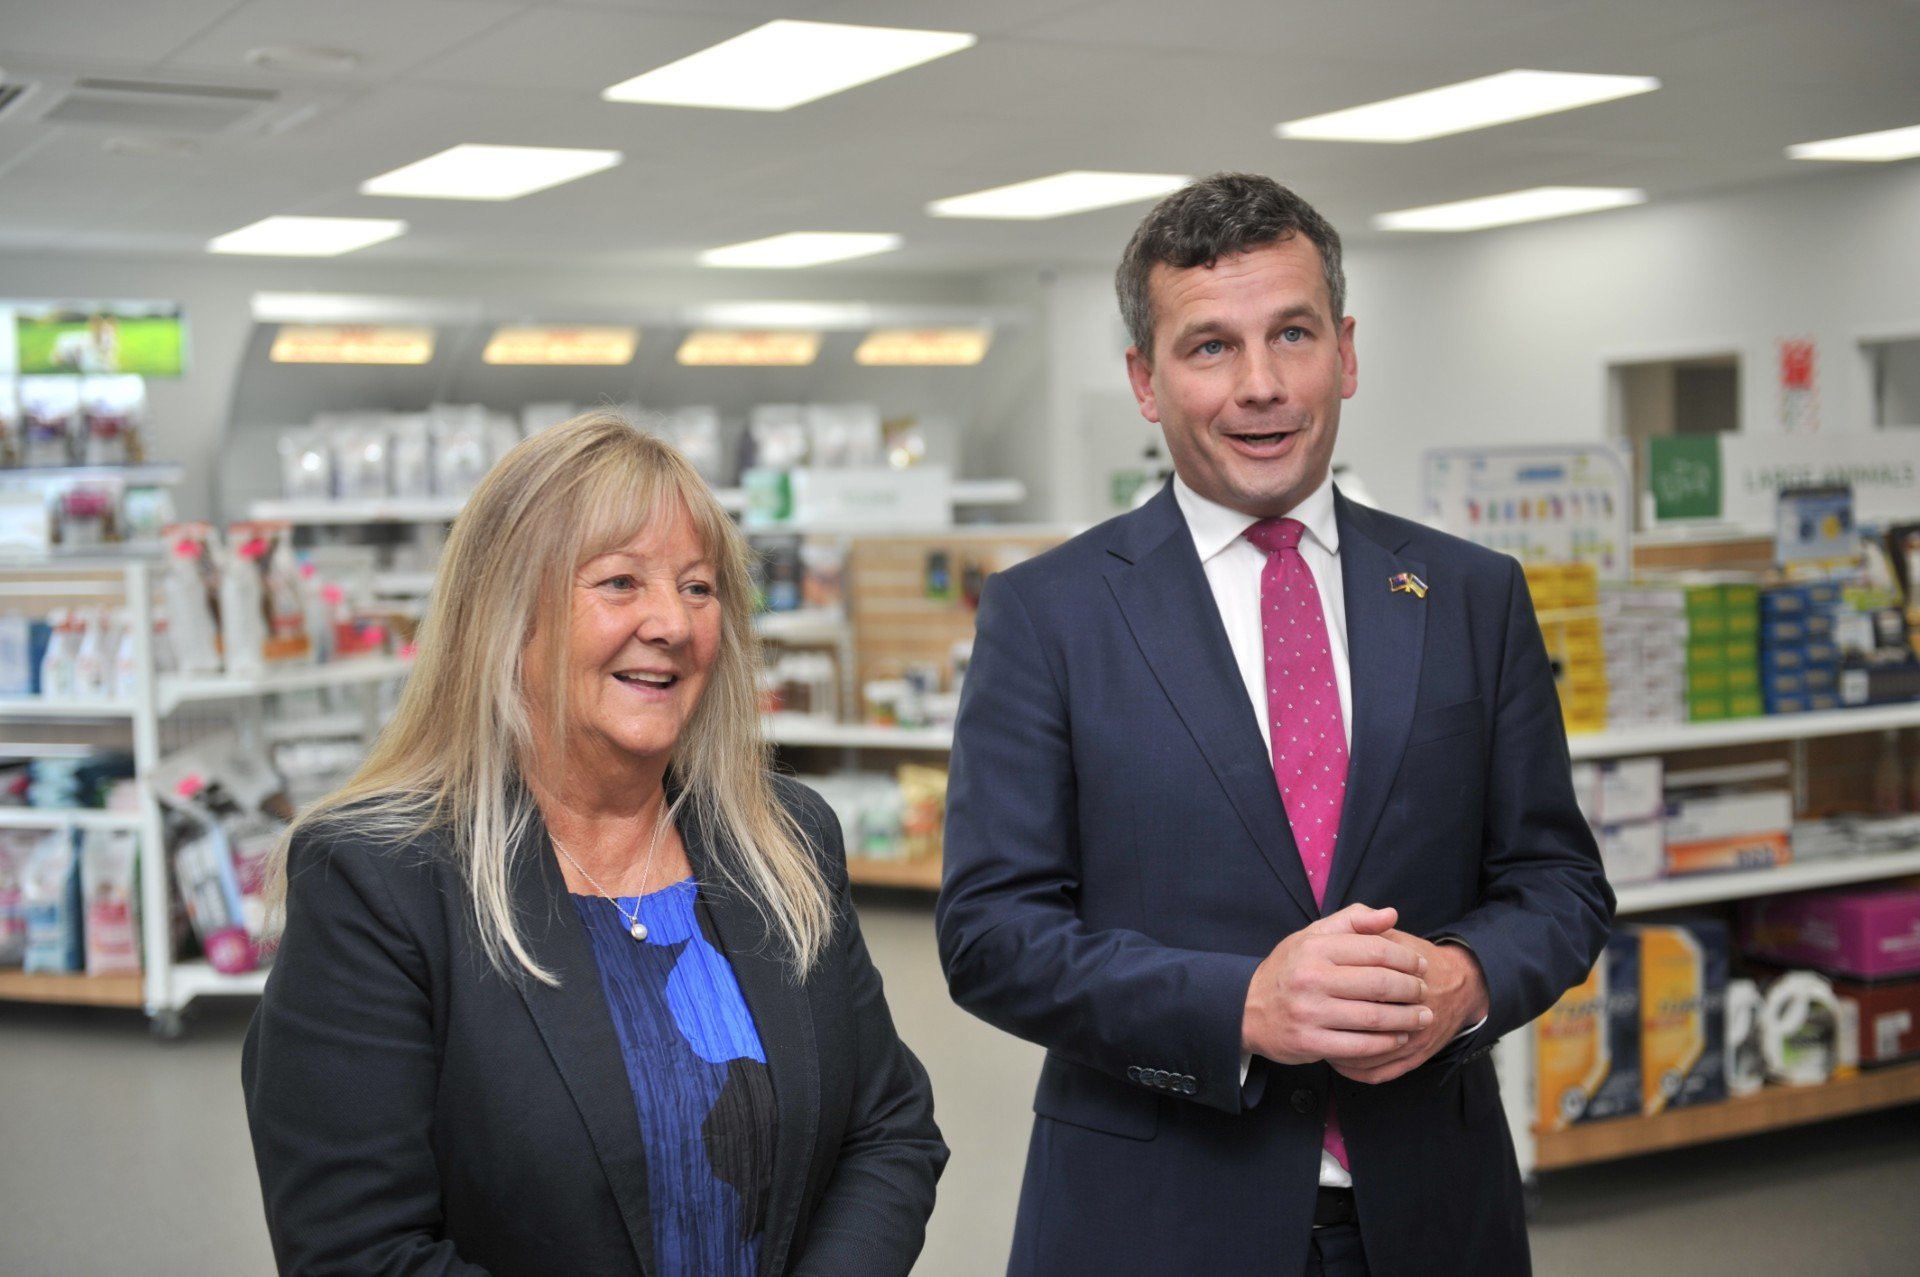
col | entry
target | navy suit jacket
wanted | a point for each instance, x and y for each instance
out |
(1118, 862)
(413, 1111)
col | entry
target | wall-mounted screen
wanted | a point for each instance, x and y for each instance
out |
(145, 338)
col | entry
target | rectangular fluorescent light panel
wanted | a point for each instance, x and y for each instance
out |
(1076, 191)
(598, 346)
(1536, 205)
(924, 347)
(1472, 104)
(1873, 148)
(721, 348)
(307, 236)
(473, 171)
(350, 344)
(800, 248)
(785, 64)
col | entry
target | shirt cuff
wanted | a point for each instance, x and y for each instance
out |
(1476, 957)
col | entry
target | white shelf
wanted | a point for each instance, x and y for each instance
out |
(1711, 888)
(402, 584)
(178, 689)
(989, 492)
(1667, 737)
(51, 707)
(313, 727)
(808, 625)
(381, 510)
(192, 980)
(810, 729)
(152, 473)
(57, 817)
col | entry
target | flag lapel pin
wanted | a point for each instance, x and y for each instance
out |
(1408, 583)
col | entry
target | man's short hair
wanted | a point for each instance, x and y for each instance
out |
(1209, 219)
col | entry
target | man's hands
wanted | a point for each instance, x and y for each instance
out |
(1457, 995)
(1340, 990)
(1372, 1001)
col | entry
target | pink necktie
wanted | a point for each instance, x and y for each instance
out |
(1303, 715)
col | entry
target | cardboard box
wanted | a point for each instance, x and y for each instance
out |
(1683, 1000)
(1887, 1016)
(1866, 933)
(1717, 855)
(1634, 852)
(1702, 817)
(1631, 791)
(1587, 1047)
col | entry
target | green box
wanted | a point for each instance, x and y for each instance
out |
(1743, 678)
(1703, 681)
(1705, 600)
(1701, 709)
(1742, 651)
(1745, 705)
(1743, 623)
(1710, 655)
(1706, 625)
(1740, 598)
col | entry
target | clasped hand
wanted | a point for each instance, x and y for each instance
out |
(1373, 1002)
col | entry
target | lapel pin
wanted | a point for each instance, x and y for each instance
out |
(1408, 583)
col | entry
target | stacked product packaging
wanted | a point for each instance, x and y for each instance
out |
(1566, 598)
(898, 817)
(1863, 944)
(1644, 1034)
(1799, 661)
(69, 901)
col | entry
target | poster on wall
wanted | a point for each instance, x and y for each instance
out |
(1736, 479)
(1799, 401)
(143, 338)
(1540, 504)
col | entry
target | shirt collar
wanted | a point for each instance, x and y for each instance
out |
(1216, 527)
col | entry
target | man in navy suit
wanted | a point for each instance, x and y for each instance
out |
(1260, 816)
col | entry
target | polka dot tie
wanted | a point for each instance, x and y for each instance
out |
(1303, 715)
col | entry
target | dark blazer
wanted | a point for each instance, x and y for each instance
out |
(415, 1112)
(1118, 863)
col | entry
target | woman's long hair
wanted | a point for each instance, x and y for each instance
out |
(453, 760)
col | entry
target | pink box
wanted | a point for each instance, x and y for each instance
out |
(1871, 933)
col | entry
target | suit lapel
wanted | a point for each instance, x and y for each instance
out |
(1386, 633)
(577, 1027)
(783, 1017)
(1169, 607)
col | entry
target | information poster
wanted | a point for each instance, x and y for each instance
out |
(1540, 504)
(1736, 479)
(143, 338)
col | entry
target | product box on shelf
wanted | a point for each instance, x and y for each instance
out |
(1867, 933)
(1886, 1016)
(1633, 852)
(1587, 1047)
(1728, 830)
(1683, 991)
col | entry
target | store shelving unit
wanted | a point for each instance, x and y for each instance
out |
(1776, 1106)
(165, 987)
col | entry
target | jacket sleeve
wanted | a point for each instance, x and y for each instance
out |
(1014, 946)
(872, 1217)
(340, 1071)
(1545, 906)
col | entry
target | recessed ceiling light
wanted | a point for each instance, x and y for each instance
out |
(715, 348)
(800, 248)
(307, 236)
(1473, 104)
(927, 347)
(1535, 205)
(313, 59)
(785, 64)
(1871, 148)
(1077, 191)
(473, 171)
(598, 345)
(350, 344)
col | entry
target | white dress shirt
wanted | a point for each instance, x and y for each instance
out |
(1233, 565)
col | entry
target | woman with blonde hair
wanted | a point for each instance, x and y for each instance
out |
(570, 980)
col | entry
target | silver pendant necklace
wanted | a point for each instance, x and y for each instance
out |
(635, 928)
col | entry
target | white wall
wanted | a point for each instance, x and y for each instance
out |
(1504, 336)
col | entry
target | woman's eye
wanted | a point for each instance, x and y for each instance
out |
(622, 582)
(699, 589)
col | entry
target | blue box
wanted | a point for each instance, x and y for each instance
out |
(1783, 601)
(1783, 660)
(1783, 633)
(1786, 704)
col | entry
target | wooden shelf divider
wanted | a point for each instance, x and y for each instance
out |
(1771, 1109)
(73, 990)
(922, 874)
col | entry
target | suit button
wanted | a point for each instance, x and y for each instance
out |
(1190, 1086)
(1133, 1073)
(1304, 1101)
(1160, 1078)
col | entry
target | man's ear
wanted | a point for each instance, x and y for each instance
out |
(1140, 377)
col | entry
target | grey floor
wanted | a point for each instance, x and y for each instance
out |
(119, 1154)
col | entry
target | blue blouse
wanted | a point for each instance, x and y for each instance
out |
(699, 1079)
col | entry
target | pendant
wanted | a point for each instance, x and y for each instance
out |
(638, 931)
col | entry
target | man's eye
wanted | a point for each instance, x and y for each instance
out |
(1293, 335)
(1210, 347)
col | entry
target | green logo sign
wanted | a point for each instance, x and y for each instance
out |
(1684, 474)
